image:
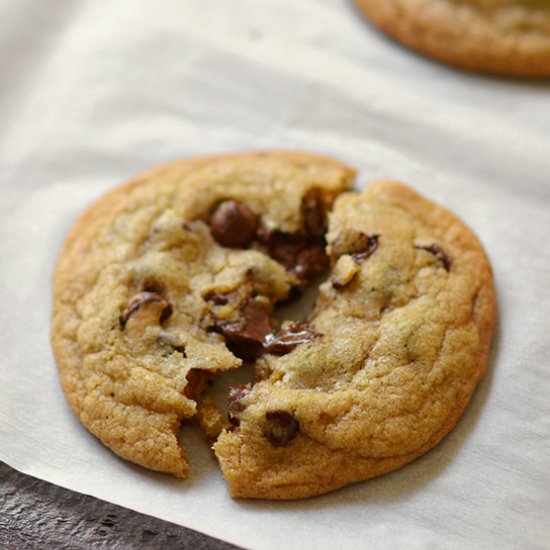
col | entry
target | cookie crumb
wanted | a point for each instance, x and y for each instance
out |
(210, 419)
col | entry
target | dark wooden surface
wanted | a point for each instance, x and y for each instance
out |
(36, 515)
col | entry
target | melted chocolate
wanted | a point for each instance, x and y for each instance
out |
(289, 338)
(246, 336)
(302, 255)
(313, 211)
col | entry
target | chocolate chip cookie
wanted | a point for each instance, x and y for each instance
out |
(173, 278)
(503, 36)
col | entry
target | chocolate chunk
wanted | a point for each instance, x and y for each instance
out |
(315, 221)
(233, 224)
(287, 339)
(234, 404)
(143, 298)
(245, 337)
(281, 429)
(357, 244)
(283, 247)
(438, 252)
(302, 255)
(311, 263)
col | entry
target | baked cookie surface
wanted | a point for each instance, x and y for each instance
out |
(510, 37)
(173, 278)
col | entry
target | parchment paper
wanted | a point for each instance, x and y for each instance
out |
(92, 93)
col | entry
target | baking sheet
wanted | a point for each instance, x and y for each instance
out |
(92, 93)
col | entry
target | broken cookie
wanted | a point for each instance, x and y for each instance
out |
(174, 277)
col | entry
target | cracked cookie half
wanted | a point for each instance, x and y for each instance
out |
(402, 332)
(174, 277)
(167, 280)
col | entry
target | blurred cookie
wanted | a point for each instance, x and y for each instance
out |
(510, 37)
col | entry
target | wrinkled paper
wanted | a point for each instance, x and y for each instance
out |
(93, 93)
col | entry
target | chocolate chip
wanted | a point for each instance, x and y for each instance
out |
(143, 298)
(233, 224)
(438, 252)
(282, 427)
(246, 336)
(370, 246)
(234, 403)
(289, 338)
(357, 244)
(313, 208)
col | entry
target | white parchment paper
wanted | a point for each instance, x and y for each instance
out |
(92, 93)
